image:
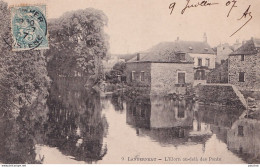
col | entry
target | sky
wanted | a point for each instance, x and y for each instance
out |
(137, 25)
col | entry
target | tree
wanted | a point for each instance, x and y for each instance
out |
(79, 35)
(118, 69)
(23, 78)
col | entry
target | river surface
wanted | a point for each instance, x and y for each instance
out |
(80, 126)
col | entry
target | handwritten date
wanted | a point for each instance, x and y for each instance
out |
(231, 3)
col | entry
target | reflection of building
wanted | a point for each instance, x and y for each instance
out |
(244, 66)
(220, 119)
(244, 139)
(166, 121)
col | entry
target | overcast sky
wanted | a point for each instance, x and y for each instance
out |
(136, 25)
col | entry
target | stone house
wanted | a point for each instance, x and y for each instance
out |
(162, 71)
(202, 54)
(244, 66)
(170, 66)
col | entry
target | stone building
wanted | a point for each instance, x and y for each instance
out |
(169, 66)
(244, 66)
(162, 71)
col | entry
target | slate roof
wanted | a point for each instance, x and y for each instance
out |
(185, 47)
(167, 52)
(126, 57)
(250, 47)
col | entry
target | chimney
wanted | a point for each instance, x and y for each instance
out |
(177, 39)
(138, 56)
(205, 39)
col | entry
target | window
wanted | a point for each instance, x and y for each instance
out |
(181, 111)
(241, 76)
(134, 111)
(181, 56)
(207, 62)
(240, 131)
(199, 62)
(181, 77)
(142, 112)
(200, 75)
(133, 76)
(242, 57)
(181, 132)
(142, 76)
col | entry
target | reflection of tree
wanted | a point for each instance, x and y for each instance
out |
(75, 124)
(19, 136)
(117, 101)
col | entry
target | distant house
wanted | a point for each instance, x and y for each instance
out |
(236, 45)
(223, 50)
(244, 66)
(220, 73)
(163, 71)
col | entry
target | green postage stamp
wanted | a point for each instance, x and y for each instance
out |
(29, 27)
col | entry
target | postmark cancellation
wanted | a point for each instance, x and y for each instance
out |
(29, 27)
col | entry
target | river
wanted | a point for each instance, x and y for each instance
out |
(80, 126)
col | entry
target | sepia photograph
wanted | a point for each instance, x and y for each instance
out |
(129, 82)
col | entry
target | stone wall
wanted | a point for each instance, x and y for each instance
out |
(164, 77)
(138, 67)
(220, 94)
(258, 71)
(251, 68)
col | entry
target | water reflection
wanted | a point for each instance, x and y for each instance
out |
(183, 122)
(167, 121)
(117, 101)
(81, 127)
(244, 139)
(18, 138)
(75, 124)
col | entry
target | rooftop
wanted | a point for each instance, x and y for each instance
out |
(169, 52)
(250, 47)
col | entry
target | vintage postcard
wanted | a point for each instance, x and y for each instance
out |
(129, 82)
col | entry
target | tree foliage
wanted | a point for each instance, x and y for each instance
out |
(23, 78)
(78, 37)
